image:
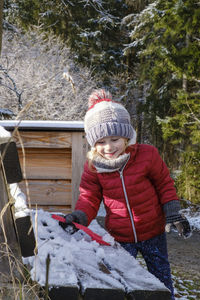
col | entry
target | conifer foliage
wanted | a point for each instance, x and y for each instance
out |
(91, 28)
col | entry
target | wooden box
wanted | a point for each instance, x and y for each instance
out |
(52, 155)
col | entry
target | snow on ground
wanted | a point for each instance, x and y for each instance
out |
(193, 217)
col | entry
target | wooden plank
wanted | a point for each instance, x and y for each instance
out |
(26, 236)
(10, 256)
(54, 208)
(48, 192)
(46, 163)
(103, 294)
(11, 162)
(149, 295)
(63, 293)
(79, 151)
(6, 220)
(43, 139)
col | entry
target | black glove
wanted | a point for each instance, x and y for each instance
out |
(76, 216)
(174, 218)
(71, 218)
(69, 228)
(181, 224)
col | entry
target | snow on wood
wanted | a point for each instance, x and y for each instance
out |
(44, 125)
(77, 260)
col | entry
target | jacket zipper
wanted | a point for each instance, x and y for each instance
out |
(127, 203)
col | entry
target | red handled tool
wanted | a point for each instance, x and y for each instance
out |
(93, 235)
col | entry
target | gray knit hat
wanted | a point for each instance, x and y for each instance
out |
(107, 118)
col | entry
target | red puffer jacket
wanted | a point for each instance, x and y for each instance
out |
(133, 201)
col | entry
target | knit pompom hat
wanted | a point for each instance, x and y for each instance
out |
(107, 118)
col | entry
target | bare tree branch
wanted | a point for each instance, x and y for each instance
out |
(13, 87)
(36, 64)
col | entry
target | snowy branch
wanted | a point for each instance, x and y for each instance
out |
(35, 62)
(13, 88)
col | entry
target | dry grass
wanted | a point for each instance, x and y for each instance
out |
(15, 280)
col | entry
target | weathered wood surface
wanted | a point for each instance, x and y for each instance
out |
(62, 293)
(26, 236)
(10, 256)
(104, 294)
(73, 293)
(79, 151)
(149, 295)
(46, 163)
(65, 209)
(49, 192)
(52, 162)
(48, 172)
(11, 162)
(43, 139)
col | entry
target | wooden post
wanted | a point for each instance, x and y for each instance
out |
(79, 151)
(1, 23)
(10, 257)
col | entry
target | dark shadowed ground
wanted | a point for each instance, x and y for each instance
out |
(184, 254)
(184, 257)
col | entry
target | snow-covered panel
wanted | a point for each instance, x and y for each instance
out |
(127, 269)
(75, 258)
(43, 125)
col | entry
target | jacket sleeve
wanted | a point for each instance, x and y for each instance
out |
(90, 194)
(160, 177)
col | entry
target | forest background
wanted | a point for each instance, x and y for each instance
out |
(147, 53)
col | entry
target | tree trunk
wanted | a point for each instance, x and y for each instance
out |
(1, 23)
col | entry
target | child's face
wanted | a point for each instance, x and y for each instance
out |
(111, 147)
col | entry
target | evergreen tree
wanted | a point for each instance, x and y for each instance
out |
(92, 29)
(183, 131)
(165, 46)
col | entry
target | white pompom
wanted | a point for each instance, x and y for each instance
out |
(98, 95)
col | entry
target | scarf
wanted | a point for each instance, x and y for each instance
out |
(104, 165)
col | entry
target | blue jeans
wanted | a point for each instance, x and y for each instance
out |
(154, 252)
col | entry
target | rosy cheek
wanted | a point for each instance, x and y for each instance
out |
(99, 149)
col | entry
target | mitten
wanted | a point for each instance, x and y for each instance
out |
(181, 224)
(174, 218)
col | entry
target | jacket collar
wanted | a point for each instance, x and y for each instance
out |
(132, 149)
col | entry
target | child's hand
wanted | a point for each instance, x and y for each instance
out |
(69, 228)
(66, 222)
(76, 216)
(71, 218)
(181, 224)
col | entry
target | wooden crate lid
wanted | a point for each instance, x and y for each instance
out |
(43, 125)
